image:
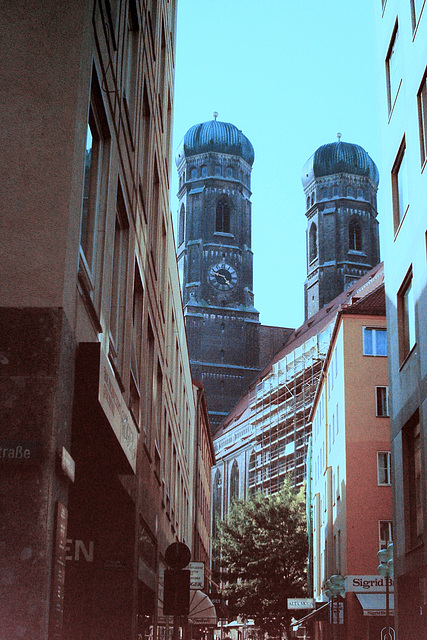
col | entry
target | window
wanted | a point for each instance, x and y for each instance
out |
(385, 533)
(222, 217)
(229, 172)
(312, 241)
(193, 174)
(234, 481)
(354, 236)
(136, 343)
(131, 62)
(204, 171)
(217, 170)
(216, 502)
(381, 396)
(95, 177)
(399, 186)
(384, 468)
(119, 275)
(374, 341)
(422, 118)
(181, 225)
(412, 467)
(393, 74)
(406, 317)
(416, 8)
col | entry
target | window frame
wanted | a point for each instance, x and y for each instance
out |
(406, 317)
(385, 468)
(399, 187)
(375, 330)
(392, 70)
(383, 542)
(355, 236)
(380, 402)
(422, 118)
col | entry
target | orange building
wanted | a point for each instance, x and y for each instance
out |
(350, 479)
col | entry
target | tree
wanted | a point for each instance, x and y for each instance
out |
(263, 554)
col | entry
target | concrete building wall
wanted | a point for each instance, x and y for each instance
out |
(402, 59)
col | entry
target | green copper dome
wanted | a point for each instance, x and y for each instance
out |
(339, 157)
(221, 137)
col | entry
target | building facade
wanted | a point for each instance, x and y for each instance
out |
(98, 406)
(340, 183)
(402, 60)
(350, 470)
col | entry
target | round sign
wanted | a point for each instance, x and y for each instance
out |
(177, 555)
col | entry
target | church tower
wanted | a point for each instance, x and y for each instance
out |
(214, 164)
(340, 183)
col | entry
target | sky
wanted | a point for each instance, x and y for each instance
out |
(291, 75)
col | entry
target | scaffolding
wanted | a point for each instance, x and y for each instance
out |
(280, 407)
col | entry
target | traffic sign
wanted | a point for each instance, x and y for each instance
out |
(177, 555)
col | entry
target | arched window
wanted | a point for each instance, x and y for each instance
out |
(217, 170)
(222, 217)
(360, 193)
(229, 172)
(349, 192)
(308, 202)
(334, 191)
(193, 173)
(181, 225)
(234, 481)
(216, 502)
(354, 235)
(252, 472)
(312, 242)
(204, 171)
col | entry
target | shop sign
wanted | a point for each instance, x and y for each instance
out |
(197, 575)
(68, 465)
(116, 411)
(58, 573)
(368, 584)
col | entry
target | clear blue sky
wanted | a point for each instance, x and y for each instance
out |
(290, 75)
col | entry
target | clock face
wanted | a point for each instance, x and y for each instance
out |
(222, 276)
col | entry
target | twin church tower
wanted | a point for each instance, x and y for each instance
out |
(227, 344)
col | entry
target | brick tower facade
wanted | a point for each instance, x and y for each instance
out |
(340, 183)
(214, 164)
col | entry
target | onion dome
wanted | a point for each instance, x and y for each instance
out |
(221, 137)
(339, 157)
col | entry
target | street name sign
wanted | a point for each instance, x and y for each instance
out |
(300, 603)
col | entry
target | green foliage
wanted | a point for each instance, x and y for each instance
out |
(263, 554)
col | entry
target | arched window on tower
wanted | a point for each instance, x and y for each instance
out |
(193, 173)
(204, 171)
(308, 202)
(229, 172)
(181, 226)
(234, 482)
(354, 236)
(312, 242)
(222, 217)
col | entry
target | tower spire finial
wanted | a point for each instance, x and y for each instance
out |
(339, 137)
(215, 114)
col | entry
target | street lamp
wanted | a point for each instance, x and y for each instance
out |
(385, 569)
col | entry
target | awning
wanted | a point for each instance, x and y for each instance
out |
(310, 615)
(202, 610)
(374, 604)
